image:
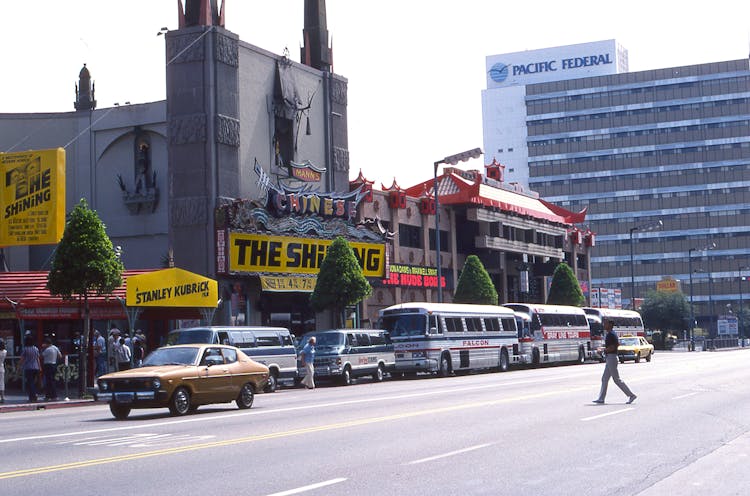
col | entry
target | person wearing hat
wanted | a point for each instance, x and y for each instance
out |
(112, 341)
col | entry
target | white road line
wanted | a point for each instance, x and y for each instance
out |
(586, 419)
(684, 396)
(308, 488)
(269, 411)
(445, 455)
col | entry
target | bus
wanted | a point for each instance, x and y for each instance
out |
(626, 322)
(444, 338)
(552, 333)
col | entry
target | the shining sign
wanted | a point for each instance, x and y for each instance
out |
(32, 197)
(282, 254)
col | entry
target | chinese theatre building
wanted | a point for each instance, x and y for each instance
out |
(519, 237)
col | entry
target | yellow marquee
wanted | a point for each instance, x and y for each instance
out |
(172, 288)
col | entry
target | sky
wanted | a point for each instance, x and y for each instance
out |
(415, 68)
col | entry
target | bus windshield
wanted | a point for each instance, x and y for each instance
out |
(405, 325)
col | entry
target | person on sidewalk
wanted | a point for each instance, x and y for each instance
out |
(3, 354)
(611, 342)
(100, 353)
(51, 357)
(31, 364)
(123, 354)
(307, 357)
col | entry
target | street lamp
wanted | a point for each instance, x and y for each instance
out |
(739, 312)
(452, 160)
(643, 227)
(709, 246)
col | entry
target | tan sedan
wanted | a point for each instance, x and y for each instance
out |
(182, 378)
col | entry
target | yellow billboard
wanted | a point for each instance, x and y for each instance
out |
(32, 197)
(171, 288)
(288, 255)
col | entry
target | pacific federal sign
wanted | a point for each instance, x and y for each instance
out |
(32, 197)
(291, 255)
(172, 288)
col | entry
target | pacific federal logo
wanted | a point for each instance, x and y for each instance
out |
(499, 72)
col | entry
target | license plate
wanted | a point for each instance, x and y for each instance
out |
(124, 397)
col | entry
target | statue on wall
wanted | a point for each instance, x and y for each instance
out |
(145, 195)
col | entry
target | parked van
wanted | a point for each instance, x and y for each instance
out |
(271, 346)
(343, 354)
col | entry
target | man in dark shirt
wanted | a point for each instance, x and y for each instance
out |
(610, 368)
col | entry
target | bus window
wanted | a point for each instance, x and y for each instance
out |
(491, 324)
(473, 324)
(454, 324)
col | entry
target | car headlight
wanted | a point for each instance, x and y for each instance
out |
(103, 386)
(156, 383)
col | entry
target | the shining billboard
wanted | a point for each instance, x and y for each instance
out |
(32, 197)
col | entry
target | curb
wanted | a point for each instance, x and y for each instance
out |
(25, 407)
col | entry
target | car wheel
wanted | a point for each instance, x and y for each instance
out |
(180, 403)
(246, 396)
(346, 376)
(581, 355)
(379, 374)
(648, 357)
(120, 412)
(445, 366)
(637, 358)
(622, 360)
(535, 358)
(504, 362)
(273, 383)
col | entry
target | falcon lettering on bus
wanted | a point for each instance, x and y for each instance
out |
(443, 338)
(552, 333)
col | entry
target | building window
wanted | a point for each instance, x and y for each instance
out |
(410, 236)
(443, 240)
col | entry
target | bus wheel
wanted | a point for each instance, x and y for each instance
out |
(504, 362)
(379, 374)
(445, 366)
(581, 355)
(535, 359)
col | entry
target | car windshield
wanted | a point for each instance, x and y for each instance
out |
(172, 356)
(325, 339)
(628, 341)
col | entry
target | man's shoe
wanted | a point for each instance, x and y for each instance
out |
(598, 402)
(632, 399)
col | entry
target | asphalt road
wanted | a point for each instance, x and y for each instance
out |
(527, 431)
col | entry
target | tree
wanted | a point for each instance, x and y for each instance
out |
(565, 289)
(474, 284)
(84, 263)
(665, 311)
(340, 282)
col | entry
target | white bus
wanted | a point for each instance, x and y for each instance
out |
(626, 323)
(552, 333)
(445, 337)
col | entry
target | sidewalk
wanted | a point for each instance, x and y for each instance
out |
(16, 401)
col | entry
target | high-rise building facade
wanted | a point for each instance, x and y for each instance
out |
(669, 145)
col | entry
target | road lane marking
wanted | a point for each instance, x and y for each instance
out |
(446, 455)
(684, 396)
(309, 488)
(253, 412)
(277, 435)
(616, 412)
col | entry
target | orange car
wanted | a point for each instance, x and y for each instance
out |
(182, 378)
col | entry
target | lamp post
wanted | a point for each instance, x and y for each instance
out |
(452, 160)
(740, 335)
(643, 227)
(709, 246)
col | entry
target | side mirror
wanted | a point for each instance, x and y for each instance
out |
(433, 330)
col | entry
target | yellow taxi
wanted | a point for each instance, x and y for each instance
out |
(634, 348)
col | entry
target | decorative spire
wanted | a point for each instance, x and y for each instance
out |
(200, 13)
(84, 91)
(315, 51)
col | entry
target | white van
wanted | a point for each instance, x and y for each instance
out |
(271, 346)
(343, 354)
